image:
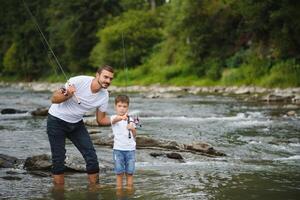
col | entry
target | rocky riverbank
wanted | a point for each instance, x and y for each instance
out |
(248, 93)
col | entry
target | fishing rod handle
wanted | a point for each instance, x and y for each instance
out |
(77, 99)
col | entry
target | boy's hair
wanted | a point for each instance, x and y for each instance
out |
(122, 98)
(105, 67)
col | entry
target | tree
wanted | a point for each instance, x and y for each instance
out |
(139, 30)
(73, 26)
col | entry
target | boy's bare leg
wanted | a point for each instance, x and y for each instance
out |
(129, 181)
(119, 181)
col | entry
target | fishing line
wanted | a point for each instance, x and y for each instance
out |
(135, 119)
(48, 45)
(125, 63)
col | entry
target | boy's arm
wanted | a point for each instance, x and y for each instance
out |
(102, 118)
(118, 118)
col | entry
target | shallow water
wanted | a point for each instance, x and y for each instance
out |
(262, 146)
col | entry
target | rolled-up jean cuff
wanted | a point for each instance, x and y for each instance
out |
(93, 171)
(57, 173)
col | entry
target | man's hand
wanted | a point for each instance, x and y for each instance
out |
(71, 90)
(63, 94)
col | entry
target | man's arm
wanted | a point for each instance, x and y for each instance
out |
(62, 95)
(102, 119)
(59, 97)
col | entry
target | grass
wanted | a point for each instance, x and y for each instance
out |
(282, 74)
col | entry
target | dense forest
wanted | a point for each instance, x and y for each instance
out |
(171, 42)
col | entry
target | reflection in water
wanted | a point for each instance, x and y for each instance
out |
(95, 192)
(58, 192)
(124, 194)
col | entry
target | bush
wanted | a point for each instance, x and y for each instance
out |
(140, 31)
(283, 74)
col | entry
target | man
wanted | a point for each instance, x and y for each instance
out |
(69, 104)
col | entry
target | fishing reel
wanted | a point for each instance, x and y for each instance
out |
(133, 119)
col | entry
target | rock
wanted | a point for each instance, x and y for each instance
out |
(16, 171)
(11, 178)
(11, 111)
(39, 162)
(296, 99)
(154, 154)
(291, 113)
(143, 141)
(104, 141)
(40, 174)
(8, 161)
(243, 90)
(90, 113)
(174, 156)
(73, 164)
(90, 122)
(94, 131)
(204, 148)
(40, 112)
(277, 98)
(151, 143)
(156, 95)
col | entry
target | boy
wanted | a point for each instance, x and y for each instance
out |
(124, 142)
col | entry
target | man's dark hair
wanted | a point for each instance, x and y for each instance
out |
(105, 67)
(122, 98)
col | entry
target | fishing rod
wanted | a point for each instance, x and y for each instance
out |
(135, 120)
(48, 45)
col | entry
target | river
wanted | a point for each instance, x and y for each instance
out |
(261, 142)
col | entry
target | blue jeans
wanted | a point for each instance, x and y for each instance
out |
(124, 161)
(58, 130)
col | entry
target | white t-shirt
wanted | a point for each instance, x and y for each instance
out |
(70, 110)
(121, 139)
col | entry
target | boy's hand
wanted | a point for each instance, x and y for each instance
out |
(121, 117)
(130, 127)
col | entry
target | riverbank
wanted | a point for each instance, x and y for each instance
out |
(288, 95)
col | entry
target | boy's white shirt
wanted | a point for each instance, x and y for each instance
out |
(121, 140)
(70, 110)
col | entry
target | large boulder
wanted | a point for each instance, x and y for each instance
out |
(203, 148)
(39, 162)
(151, 143)
(72, 163)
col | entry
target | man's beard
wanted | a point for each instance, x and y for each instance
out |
(103, 85)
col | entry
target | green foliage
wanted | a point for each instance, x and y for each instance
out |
(73, 26)
(9, 61)
(249, 73)
(139, 30)
(207, 42)
(29, 61)
(213, 68)
(283, 74)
